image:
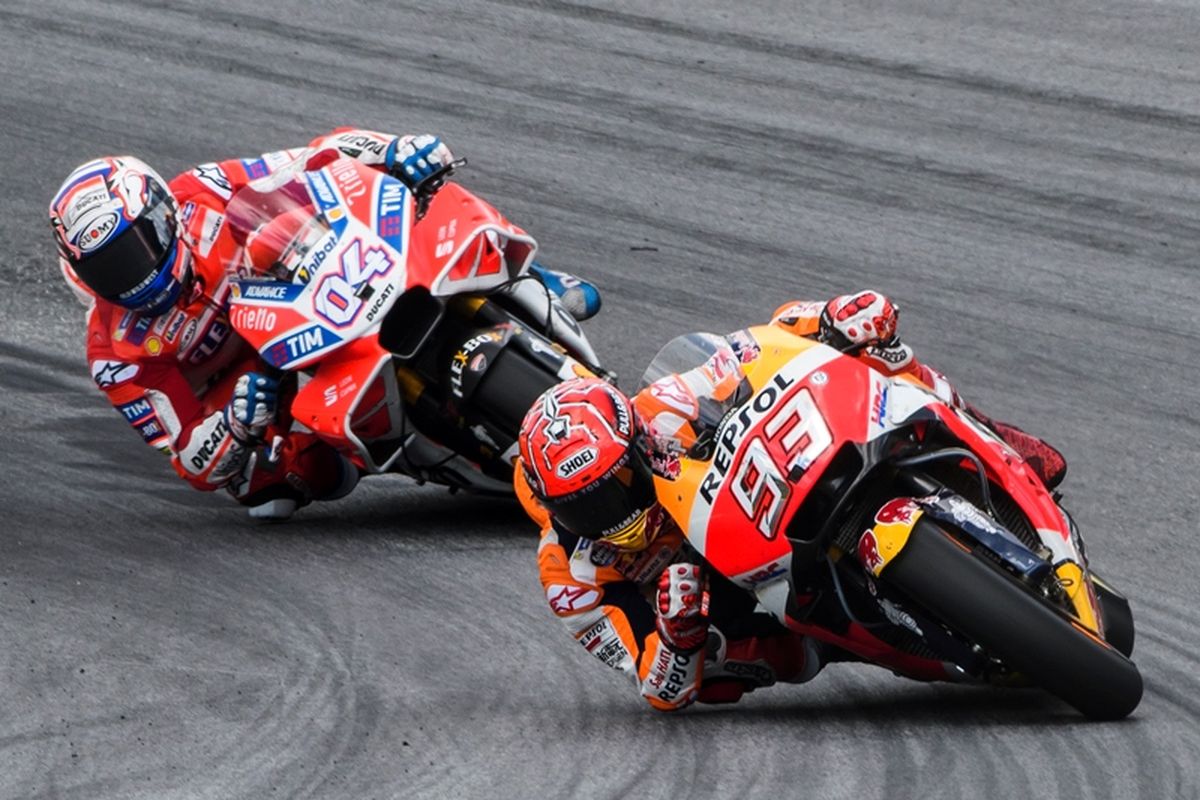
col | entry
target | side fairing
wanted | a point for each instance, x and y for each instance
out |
(808, 399)
(464, 245)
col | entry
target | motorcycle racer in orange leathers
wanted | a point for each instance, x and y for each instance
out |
(616, 569)
(140, 253)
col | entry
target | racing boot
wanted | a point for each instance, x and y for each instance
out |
(579, 297)
(733, 668)
(1046, 461)
(317, 473)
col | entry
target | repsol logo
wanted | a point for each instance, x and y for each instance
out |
(675, 678)
(209, 448)
(735, 429)
(576, 462)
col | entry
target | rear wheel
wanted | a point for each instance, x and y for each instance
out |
(993, 610)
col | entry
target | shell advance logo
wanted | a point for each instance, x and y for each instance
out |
(327, 201)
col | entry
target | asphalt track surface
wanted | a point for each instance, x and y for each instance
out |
(1022, 177)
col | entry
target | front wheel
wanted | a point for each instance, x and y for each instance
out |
(990, 609)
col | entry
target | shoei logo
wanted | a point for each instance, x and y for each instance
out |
(98, 232)
(576, 462)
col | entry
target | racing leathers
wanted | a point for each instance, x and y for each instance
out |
(172, 375)
(892, 357)
(606, 597)
(603, 597)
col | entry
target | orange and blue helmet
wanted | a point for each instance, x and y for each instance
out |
(586, 463)
(117, 228)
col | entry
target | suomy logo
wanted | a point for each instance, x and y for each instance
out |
(97, 232)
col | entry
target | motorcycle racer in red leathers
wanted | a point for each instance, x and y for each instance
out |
(139, 252)
(617, 570)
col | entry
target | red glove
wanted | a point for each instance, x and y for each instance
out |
(681, 622)
(853, 321)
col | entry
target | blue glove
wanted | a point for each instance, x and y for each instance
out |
(252, 407)
(416, 158)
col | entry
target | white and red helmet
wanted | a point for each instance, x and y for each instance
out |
(585, 462)
(117, 229)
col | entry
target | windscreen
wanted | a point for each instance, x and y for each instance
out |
(276, 227)
(689, 387)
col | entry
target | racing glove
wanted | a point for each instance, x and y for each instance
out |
(851, 322)
(417, 158)
(679, 613)
(252, 407)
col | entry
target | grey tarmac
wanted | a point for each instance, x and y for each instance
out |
(1023, 178)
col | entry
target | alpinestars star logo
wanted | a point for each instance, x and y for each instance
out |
(571, 599)
(110, 373)
(214, 177)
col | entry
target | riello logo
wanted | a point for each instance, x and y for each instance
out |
(576, 462)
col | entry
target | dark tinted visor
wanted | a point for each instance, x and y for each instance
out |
(135, 255)
(610, 503)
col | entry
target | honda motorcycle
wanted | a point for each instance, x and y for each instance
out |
(417, 337)
(862, 510)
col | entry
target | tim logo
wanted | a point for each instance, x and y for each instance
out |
(391, 212)
(299, 345)
(576, 462)
(136, 410)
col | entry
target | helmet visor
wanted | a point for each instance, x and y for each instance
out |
(614, 505)
(131, 262)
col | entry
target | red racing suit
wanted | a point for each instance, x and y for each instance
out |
(171, 376)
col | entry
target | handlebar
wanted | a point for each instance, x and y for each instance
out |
(428, 186)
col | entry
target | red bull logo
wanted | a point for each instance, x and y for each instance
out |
(868, 552)
(901, 510)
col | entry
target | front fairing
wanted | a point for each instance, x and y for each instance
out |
(335, 259)
(342, 244)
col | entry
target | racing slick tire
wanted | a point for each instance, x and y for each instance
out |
(979, 601)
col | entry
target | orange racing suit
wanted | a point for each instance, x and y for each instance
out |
(605, 597)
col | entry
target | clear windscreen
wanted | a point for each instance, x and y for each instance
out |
(688, 388)
(276, 226)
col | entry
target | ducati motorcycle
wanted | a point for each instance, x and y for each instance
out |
(415, 333)
(862, 510)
